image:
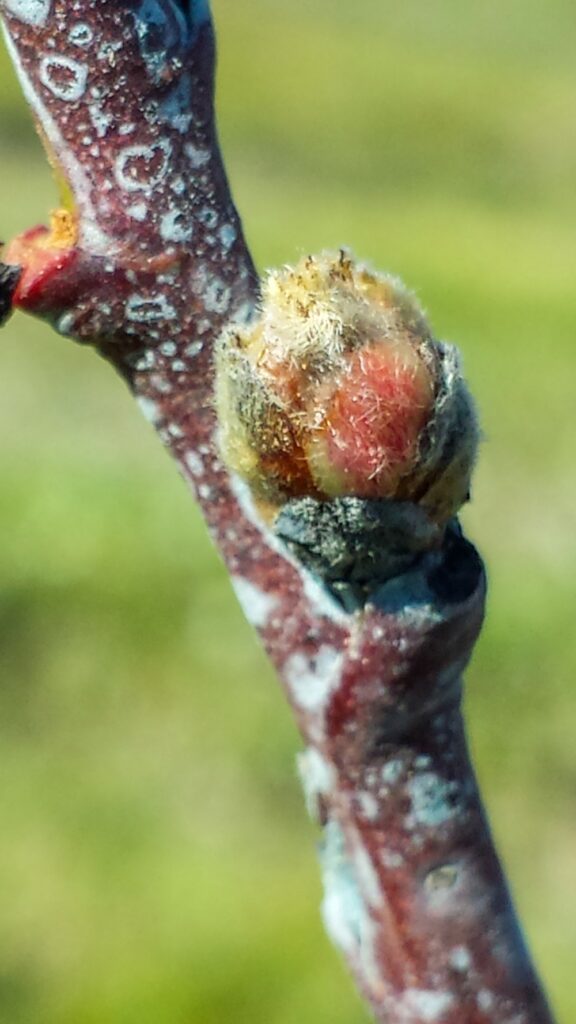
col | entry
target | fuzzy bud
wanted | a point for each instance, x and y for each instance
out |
(338, 389)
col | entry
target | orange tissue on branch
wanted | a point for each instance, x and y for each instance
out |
(339, 389)
(40, 252)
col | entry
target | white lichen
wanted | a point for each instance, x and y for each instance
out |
(149, 409)
(433, 800)
(138, 211)
(318, 777)
(368, 805)
(194, 463)
(460, 959)
(81, 34)
(256, 604)
(64, 77)
(227, 234)
(141, 168)
(313, 678)
(423, 1006)
(344, 909)
(31, 12)
(391, 771)
(101, 120)
(175, 226)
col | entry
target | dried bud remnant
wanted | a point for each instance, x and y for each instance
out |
(9, 277)
(339, 389)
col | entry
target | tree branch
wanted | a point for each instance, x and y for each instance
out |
(147, 263)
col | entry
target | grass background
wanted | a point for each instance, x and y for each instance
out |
(156, 865)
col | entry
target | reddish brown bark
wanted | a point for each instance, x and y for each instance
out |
(415, 895)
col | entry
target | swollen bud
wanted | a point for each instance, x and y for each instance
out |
(338, 389)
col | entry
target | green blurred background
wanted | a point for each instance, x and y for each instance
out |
(156, 864)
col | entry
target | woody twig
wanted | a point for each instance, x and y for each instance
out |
(329, 439)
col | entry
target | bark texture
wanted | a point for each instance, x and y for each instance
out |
(148, 265)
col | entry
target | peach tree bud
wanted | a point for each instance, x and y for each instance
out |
(338, 389)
